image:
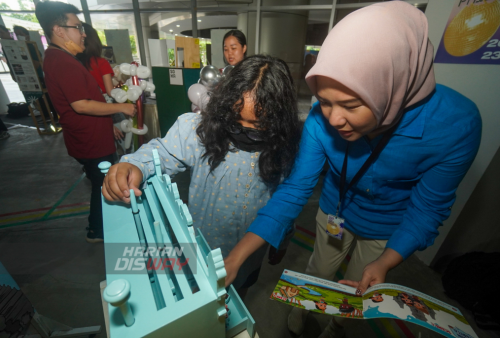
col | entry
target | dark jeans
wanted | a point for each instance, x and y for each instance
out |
(2, 126)
(96, 178)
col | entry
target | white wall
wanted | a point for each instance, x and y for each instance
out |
(216, 35)
(481, 84)
(159, 53)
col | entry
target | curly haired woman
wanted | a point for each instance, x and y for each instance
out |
(238, 151)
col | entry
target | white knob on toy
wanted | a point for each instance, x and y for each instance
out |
(117, 294)
(104, 167)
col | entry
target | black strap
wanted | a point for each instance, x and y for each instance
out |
(373, 156)
(60, 48)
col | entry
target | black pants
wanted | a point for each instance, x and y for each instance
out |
(2, 126)
(96, 178)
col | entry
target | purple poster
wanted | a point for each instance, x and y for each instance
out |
(472, 34)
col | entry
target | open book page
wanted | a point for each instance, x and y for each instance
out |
(318, 295)
(399, 302)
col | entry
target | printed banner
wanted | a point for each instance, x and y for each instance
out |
(472, 34)
(21, 64)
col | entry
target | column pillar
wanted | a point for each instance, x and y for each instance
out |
(282, 35)
(146, 35)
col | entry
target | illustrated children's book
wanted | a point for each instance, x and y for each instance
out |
(379, 301)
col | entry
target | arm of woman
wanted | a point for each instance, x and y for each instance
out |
(275, 219)
(431, 199)
(108, 83)
(177, 151)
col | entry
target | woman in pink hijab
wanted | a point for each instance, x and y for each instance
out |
(397, 146)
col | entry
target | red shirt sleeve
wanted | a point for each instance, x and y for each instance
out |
(104, 66)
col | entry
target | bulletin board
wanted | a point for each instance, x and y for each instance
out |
(21, 64)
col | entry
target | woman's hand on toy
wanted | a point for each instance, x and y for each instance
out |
(247, 246)
(118, 133)
(119, 180)
(129, 109)
(232, 268)
(375, 272)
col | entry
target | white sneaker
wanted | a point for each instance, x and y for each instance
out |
(333, 330)
(296, 320)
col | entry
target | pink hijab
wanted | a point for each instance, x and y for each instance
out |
(381, 52)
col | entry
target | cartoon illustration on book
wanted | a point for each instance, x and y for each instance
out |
(315, 297)
(290, 293)
(417, 307)
(379, 301)
(347, 310)
(377, 298)
(321, 305)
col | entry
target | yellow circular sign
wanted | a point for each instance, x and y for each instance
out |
(472, 28)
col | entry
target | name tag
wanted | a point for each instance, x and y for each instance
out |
(335, 227)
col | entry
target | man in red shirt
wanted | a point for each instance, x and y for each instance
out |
(84, 114)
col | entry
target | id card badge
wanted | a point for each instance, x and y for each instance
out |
(335, 227)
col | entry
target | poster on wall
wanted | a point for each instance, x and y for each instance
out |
(472, 34)
(21, 64)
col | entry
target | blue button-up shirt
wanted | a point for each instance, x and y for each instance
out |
(405, 195)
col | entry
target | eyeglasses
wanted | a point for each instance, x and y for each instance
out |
(79, 27)
(253, 134)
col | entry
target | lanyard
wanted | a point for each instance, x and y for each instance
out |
(74, 57)
(373, 156)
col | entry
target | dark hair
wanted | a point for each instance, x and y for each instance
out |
(269, 81)
(2, 27)
(93, 46)
(239, 36)
(22, 29)
(51, 13)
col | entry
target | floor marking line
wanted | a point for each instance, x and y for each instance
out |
(404, 328)
(310, 233)
(302, 245)
(339, 275)
(389, 328)
(42, 209)
(58, 212)
(375, 328)
(304, 238)
(43, 220)
(64, 196)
